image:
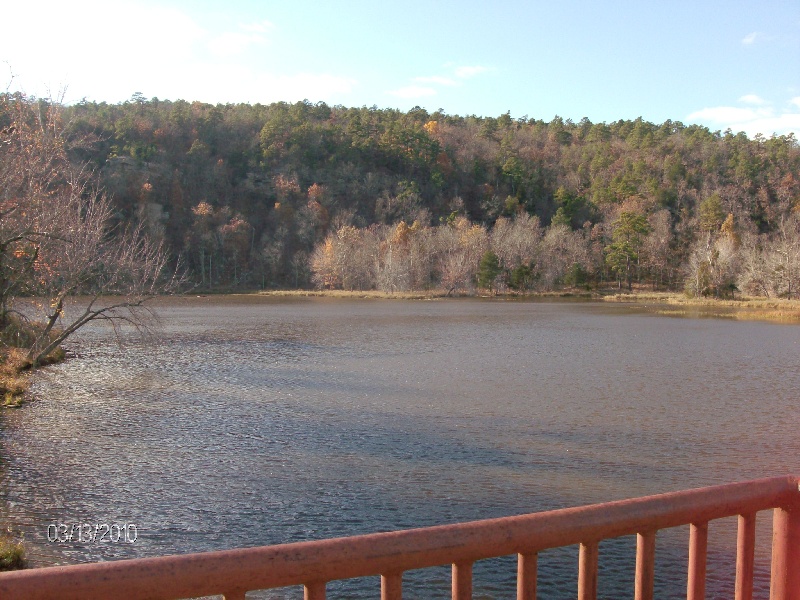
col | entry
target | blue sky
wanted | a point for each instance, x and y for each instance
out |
(724, 64)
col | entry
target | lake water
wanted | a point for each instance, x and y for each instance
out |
(249, 421)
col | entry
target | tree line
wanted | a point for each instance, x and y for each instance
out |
(295, 195)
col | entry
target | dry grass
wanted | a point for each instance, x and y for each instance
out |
(638, 296)
(14, 380)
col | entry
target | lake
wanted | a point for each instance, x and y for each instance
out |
(249, 421)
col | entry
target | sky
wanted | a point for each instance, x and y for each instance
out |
(723, 64)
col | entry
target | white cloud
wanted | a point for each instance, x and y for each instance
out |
(436, 79)
(722, 114)
(236, 83)
(760, 118)
(750, 38)
(104, 45)
(467, 72)
(232, 43)
(413, 91)
(136, 45)
(260, 27)
(753, 99)
(312, 86)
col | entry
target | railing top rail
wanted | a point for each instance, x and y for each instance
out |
(394, 552)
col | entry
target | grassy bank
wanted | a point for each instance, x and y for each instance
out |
(743, 308)
(17, 337)
(15, 374)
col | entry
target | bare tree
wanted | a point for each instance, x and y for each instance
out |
(323, 264)
(345, 259)
(562, 250)
(393, 259)
(57, 237)
(656, 245)
(404, 257)
(754, 275)
(516, 242)
(459, 249)
(771, 266)
(784, 257)
(712, 269)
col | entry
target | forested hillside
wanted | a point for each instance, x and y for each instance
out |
(296, 195)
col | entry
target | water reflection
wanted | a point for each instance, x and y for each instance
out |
(255, 421)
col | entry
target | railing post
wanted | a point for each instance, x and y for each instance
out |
(745, 556)
(587, 571)
(462, 581)
(392, 586)
(526, 576)
(314, 591)
(785, 583)
(698, 549)
(645, 565)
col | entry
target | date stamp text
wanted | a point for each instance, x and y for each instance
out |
(92, 533)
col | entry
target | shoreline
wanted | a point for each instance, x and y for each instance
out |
(422, 295)
(744, 308)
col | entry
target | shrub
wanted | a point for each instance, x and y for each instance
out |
(12, 555)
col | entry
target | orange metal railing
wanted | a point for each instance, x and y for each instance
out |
(312, 564)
